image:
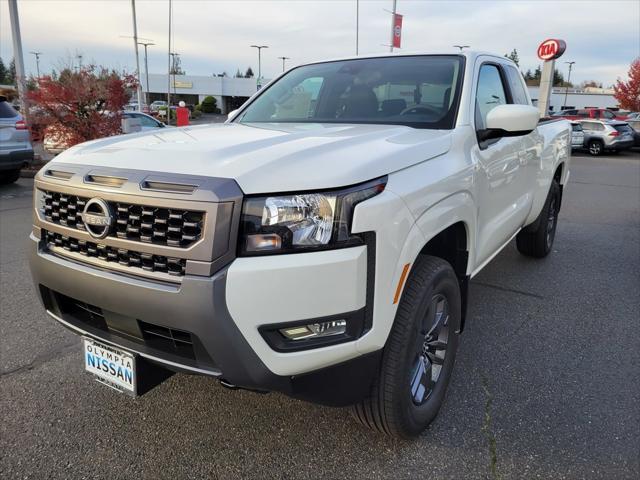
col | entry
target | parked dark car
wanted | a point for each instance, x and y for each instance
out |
(635, 125)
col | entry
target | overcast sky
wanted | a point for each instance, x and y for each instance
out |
(214, 36)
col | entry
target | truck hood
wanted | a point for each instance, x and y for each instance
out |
(269, 157)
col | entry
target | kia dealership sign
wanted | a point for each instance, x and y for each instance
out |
(551, 49)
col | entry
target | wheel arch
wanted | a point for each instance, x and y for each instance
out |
(452, 245)
(448, 232)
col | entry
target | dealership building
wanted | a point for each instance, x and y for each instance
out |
(230, 92)
(589, 97)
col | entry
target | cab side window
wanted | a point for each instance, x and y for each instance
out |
(608, 115)
(489, 95)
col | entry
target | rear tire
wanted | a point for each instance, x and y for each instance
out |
(420, 353)
(537, 243)
(9, 176)
(595, 147)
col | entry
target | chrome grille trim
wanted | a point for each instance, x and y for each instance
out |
(198, 229)
(143, 223)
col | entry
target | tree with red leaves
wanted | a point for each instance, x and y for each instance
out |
(628, 93)
(79, 106)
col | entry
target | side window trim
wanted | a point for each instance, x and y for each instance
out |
(507, 93)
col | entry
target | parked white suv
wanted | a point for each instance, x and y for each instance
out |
(604, 135)
(319, 244)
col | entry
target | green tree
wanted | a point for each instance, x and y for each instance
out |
(209, 104)
(10, 77)
(249, 73)
(238, 74)
(3, 71)
(513, 56)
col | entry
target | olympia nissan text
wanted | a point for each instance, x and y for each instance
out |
(319, 243)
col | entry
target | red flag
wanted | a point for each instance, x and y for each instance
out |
(397, 30)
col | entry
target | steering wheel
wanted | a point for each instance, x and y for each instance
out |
(419, 109)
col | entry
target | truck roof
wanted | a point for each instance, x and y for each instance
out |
(470, 55)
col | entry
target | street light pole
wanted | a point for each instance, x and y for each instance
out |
(566, 90)
(461, 46)
(37, 55)
(146, 70)
(393, 24)
(17, 54)
(283, 60)
(357, 24)
(135, 45)
(259, 47)
(169, 72)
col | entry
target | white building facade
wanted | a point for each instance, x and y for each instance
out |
(229, 92)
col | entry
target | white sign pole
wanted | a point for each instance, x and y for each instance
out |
(546, 86)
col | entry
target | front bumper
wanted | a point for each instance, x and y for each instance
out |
(15, 159)
(223, 344)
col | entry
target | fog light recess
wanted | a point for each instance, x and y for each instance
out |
(314, 332)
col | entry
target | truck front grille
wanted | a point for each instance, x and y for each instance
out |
(127, 258)
(142, 223)
(162, 339)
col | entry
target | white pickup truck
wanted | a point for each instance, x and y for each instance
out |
(320, 243)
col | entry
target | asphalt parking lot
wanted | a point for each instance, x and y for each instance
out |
(546, 384)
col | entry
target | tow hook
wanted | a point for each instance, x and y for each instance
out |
(231, 386)
(228, 385)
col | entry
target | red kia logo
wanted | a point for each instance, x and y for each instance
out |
(551, 49)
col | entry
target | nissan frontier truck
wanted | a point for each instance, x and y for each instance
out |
(320, 243)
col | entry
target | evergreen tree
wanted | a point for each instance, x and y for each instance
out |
(238, 74)
(537, 74)
(513, 56)
(249, 73)
(558, 79)
(3, 71)
(10, 78)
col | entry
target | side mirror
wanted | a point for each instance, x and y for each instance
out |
(232, 114)
(510, 121)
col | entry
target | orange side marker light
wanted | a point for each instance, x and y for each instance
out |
(403, 277)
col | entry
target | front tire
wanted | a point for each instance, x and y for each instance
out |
(9, 176)
(420, 353)
(538, 242)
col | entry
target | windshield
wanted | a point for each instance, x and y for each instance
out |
(417, 91)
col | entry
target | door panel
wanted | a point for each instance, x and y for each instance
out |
(504, 198)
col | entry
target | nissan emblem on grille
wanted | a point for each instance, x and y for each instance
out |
(97, 218)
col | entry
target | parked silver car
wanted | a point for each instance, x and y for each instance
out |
(603, 135)
(147, 122)
(15, 145)
(577, 135)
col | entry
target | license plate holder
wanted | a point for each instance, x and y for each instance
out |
(111, 366)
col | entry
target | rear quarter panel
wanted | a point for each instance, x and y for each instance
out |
(554, 150)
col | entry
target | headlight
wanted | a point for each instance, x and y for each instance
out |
(302, 221)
